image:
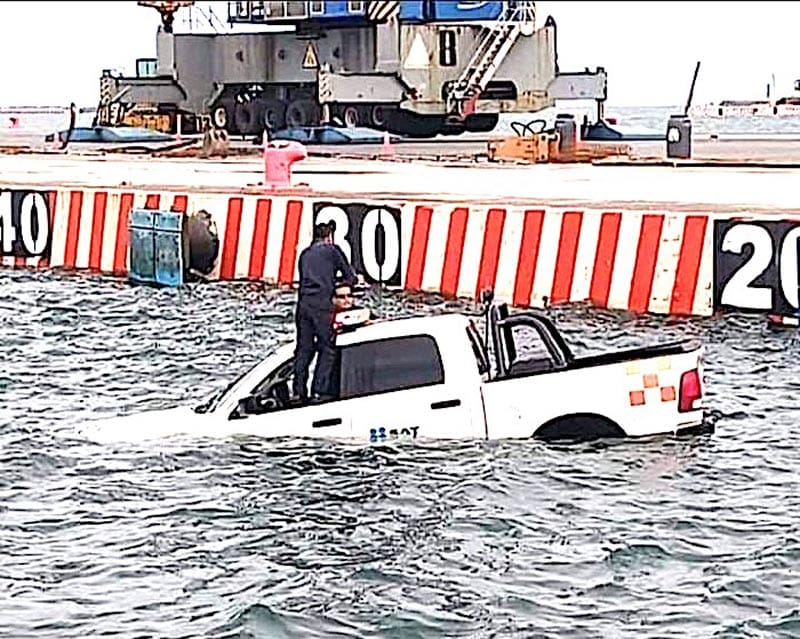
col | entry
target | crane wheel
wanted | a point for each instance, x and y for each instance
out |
(220, 117)
(302, 113)
(274, 116)
(245, 118)
(377, 116)
(351, 117)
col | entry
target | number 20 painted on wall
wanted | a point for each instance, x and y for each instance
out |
(756, 265)
(369, 235)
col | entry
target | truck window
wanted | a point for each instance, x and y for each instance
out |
(532, 355)
(389, 365)
(294, 9)
(146, 67)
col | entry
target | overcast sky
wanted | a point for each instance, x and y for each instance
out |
(52, 53)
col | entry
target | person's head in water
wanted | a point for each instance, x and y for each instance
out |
(323, 232)
(342, 298)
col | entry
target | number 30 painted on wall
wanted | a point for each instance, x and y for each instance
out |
(368, 235)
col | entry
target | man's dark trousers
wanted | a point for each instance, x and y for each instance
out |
(314, 335)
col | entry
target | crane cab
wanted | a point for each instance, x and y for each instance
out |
(329, 13)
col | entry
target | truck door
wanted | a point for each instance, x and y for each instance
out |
(396, 389)
(268, 410)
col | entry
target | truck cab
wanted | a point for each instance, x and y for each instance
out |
(394, 378)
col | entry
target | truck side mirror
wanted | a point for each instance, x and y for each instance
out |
(246, 406)
(254, 405)
(243, 408)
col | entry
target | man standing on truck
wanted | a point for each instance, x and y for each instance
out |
(319, 265)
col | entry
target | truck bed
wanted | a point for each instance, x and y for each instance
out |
(677, 347)
(539, 366)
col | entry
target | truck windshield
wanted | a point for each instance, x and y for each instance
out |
(210, 405)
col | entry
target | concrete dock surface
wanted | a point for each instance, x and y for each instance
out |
(782, 150)
(724, 176)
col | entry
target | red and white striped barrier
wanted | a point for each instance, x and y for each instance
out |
(656, 262)
(628, 260)
(259, 236)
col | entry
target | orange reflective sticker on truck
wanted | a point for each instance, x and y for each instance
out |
(637, 398)
(650, 380)
(632, 368)
(646, 386)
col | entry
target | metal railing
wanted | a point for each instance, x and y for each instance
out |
(496, 42)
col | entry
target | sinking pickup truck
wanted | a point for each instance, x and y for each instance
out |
(436, 377)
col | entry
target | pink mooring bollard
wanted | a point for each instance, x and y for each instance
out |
(387, 150)
(279, 157)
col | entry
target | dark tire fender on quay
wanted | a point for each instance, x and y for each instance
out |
(200, 243)
(579, 427)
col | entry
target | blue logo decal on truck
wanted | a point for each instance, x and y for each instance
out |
(382, 433)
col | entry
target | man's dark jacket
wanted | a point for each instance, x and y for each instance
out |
(319, 265)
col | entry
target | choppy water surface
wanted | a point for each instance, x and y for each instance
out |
(694, 537)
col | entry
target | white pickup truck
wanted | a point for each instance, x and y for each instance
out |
(436, 377)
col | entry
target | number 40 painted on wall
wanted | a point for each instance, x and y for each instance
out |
(24, 223)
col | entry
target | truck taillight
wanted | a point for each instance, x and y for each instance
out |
(691, 391)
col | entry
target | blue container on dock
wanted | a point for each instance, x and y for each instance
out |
(156, 247)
